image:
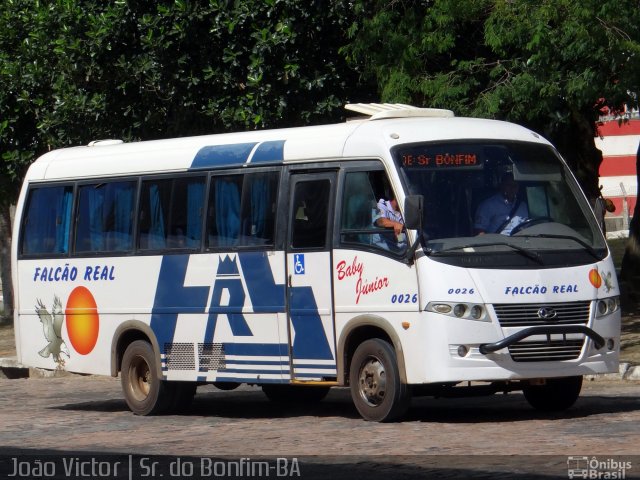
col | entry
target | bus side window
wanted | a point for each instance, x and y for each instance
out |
(186, 213)
(311, 210)
(259, 194)
(105, 222)
(47, 221)
(171, 213)
(154, 214)
(358, 208)
(224, 211)
(242, 210)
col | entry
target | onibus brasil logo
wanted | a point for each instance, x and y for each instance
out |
(585, 467)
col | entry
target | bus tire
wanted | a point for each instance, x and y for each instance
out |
(295, 393)
(376, 388)
(555, 395)
(144, 392)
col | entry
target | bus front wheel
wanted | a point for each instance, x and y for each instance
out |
(376, 388)
(144, 392)
(555, 395)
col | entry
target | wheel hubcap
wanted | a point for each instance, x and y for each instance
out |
(140, 378)
(372, 382)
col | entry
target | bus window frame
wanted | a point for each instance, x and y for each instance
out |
(35, 186)
(338, 243)
(211, 174)
(171, 176)
(136, 179)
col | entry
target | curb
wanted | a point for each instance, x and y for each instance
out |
(11, 369)
(626, 372)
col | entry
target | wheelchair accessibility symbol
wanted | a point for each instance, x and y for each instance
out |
(298, 264)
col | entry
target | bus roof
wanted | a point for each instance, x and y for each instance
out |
(369, 137)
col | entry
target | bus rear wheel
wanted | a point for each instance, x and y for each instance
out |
(376, 388)
(555, 395)
(144, 392)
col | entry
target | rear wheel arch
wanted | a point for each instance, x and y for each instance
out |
(127, 333)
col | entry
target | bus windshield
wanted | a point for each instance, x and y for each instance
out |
(499, 204)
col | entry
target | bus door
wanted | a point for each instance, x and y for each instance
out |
(309, 281)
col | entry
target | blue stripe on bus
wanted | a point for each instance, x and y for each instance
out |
(174, 297)
(171, 291)
(272, 151)
(227, 280)
(252, 371)
(222, 155)
(266, 295)
(314, 367)
(240, 379)
(238, 154)
(310, 341)
(256, 362)
(256, 349)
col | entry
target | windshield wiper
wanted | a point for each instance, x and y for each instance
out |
(592, 251)
(527, 253)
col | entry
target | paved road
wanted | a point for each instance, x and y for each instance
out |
(492, 437)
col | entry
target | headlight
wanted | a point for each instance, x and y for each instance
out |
(477, 312)
(459, 310)
(469, 311)
(440, 308)
(607, 306)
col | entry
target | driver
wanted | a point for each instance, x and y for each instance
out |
(503, 211)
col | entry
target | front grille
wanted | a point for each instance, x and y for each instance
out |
(526, 314)
(554, 350)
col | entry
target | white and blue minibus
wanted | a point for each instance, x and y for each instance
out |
(257, 258)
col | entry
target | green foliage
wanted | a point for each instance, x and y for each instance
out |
(551, 65)
(515, 59)
(71, 72)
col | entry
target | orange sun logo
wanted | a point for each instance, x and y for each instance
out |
(595, 278)
(82, 320)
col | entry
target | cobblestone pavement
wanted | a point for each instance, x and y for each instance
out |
(487, 437)
(450, 438)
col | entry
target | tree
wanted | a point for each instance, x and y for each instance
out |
(551, 65)
(631, 260)
(72, 72)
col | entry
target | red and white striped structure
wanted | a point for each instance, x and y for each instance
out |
(619, 145)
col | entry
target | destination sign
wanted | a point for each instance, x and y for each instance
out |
(439, 160)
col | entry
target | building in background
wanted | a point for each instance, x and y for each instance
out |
(618, 142)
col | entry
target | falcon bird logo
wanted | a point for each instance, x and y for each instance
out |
(608, 282)
(52, 326)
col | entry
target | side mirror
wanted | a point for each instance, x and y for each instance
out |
(413, 212)
(413, 207)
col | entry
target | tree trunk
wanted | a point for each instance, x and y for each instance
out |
(630, 274)
(576, 142)
(5, 261)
